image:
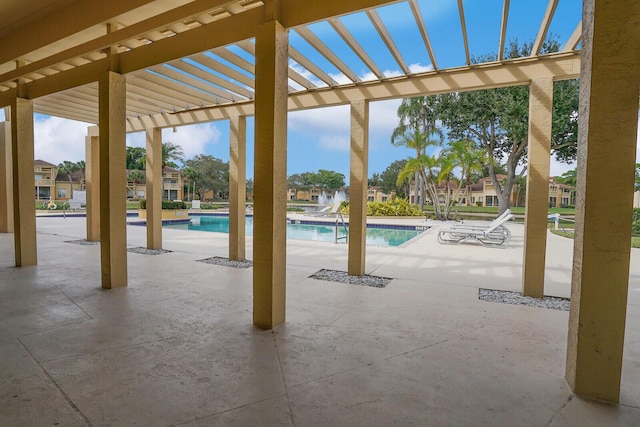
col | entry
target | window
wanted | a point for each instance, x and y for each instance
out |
(370, 198)
(141, 194)
(38, 176)
(384, 198)
(171, 181)
(61, 193)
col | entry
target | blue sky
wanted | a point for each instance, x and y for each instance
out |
(319, 138)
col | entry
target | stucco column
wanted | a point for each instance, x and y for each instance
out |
(237, 186)
(537, 205)
(113, 180)
(24, 213)
(6, 179)
(608, 122)
(358, 187)
(92, 182)
(269, 221)
(154, 188)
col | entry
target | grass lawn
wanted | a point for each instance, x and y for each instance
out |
(494, 210)
(635, 241)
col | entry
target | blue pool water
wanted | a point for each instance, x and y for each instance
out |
(308, 230)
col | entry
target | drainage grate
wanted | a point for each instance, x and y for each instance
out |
(226, 262)
(516, 298)
(343, 277)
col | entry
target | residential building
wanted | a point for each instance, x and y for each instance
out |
(173, 185)
(45, 176)
(483, 193)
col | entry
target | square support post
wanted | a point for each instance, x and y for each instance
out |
(6, 179)
(238, 188)
(539, 156)
(358, 187)
(24, 213)
(270, 219)
(607, 138)
(92, 182)
(154, 188)
(113, 180)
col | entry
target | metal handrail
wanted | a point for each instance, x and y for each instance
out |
(340, 220)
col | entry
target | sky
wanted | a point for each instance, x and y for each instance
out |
(319, 138)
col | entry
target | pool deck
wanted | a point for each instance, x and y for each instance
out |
(177, 346)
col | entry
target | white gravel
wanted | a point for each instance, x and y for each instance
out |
(516, 298)
(82, 242)
(145, 251)
(227, 262)
(343, 277)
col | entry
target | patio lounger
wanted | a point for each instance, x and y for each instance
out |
(496, 235)
(498, 221)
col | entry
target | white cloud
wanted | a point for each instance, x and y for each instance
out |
(419, 68)
(56, 139)
(193, 139)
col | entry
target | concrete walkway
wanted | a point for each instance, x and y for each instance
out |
(177, 347)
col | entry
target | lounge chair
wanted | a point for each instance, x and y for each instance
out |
(491, 224)
(327, 211)
(494, 235)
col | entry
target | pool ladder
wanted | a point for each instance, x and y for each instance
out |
(340, 221)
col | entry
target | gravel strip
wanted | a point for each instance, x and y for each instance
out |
(516, 298)
(83, 242)
(343, 277)
(226, 262)
(145, 251)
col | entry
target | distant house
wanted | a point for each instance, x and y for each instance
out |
(51, 184)
(173, 185)
(45, 176)
(483, 193)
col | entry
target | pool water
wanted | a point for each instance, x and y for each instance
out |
(305, 231)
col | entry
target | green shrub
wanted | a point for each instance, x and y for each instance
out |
(635, 228)
(166, 204)
(397, 207)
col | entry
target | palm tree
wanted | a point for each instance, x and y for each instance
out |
(68, 168)
(418, 124)
(192, 176)
(171, 152)
(134, 176)
(465, 157)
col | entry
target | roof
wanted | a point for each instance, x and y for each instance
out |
(39, 162)
(191, 61)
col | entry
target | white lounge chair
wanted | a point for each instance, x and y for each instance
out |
(491, 224)
(494, 235)
(327, 211)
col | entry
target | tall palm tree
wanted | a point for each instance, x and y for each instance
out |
(418, 117)
(170, 152)
(68, 168)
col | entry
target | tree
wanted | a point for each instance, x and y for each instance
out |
(468, 160)
(496, 120)
(171, 152)
(330, 180)
(69, 168)
(570, 177)
(136, 158)
(374, 181)
(214, 175)
(135, 176)
(295, 182)
(417, 130)
(192, 176)
(389, 178)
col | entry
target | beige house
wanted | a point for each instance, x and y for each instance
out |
(45, 179)
(173, 185)
(483, 193)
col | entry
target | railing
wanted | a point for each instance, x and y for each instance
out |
(340, 221)
(44, 183)
(559, 221)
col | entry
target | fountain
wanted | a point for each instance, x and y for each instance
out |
(338, 197)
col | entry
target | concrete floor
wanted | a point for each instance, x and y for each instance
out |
(177, 347)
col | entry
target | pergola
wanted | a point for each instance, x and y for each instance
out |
(144, 65)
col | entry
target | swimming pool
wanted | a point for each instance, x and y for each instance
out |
(377, 235)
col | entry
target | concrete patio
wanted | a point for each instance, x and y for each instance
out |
(178, 347)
